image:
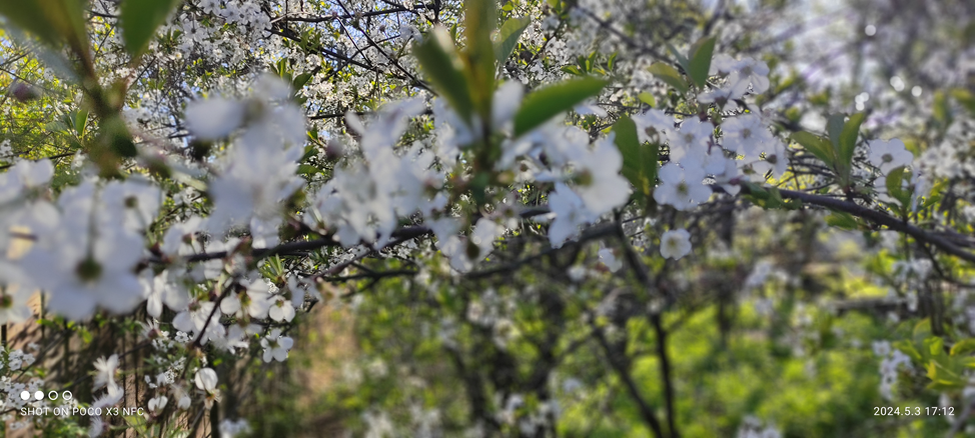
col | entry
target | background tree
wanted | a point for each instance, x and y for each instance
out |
(528, 218)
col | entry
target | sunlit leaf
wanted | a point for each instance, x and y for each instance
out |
(669, 75)
(542, 105)
(511, 30)
(139, 20)
(441, 66)
(817, 145)
(700, 61)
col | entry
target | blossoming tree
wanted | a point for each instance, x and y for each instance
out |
(538, 218)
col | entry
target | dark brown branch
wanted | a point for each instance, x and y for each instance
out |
(665, 373)
(878, 218)
(290, 34)
(640, 269)
(348, 16)
(622, 371)
(300, 247)
(373, 275)
(53, 157)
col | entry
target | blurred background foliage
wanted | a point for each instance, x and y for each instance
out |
(793, 351)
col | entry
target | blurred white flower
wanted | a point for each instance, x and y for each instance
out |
(157, 404)
(570, 213)
(214, 118)
(681, 188)
(888, 155)
(609, 259)
(105, 371)
(675, 244)
(281, 309)
(276, 346)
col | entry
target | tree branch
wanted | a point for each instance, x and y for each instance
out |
(348, 16)
(876, 217)
(646, 411)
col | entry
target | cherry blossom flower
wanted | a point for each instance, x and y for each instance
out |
(214, 118)
(776, 161)
(601, 188)
(681, 188)
(609, 259)
(691, 139)
(281, 309)
(652, 121)
(87, 259)
(675, 244)
(182, 396)
(161, 289)
(507, 100)
(138, 200)
(722, 63)
(232, 428)
(96, 427)
(13, 305)
(745, 135)
(157, 404)
(253, 300)
(570, 212)
(194, 318)
(206, 381)
(276, 346)
(726, 173)
(750, 71)
(459, 251)
(24, 175)
(105, 371)
(888, 155)
(724, 96)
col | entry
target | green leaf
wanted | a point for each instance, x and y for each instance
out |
(941, 110)
(480, 20)
(841, 219)
(895, 182)
(80, 120)
(818, 146)
(510, 32)
(935, 194)
(965, 97)
(700, 62)
(442, 67)
(669, 75)
(572, 70)
(681, 59)
(53, 21)
(647, 98)
(908, 349)
(301, 80)
(848, 138)
(963, 347)
(542, 105)
(935, 346)
(922, 330)
(30, 16)
(834, 128)
(139, 20)
(639, 161)
(307, 169)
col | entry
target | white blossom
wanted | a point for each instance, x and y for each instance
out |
(675, 244)
(276, 346)
(889, 155)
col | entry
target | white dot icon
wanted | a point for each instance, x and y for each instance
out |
(25, 395)
(39, 395)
